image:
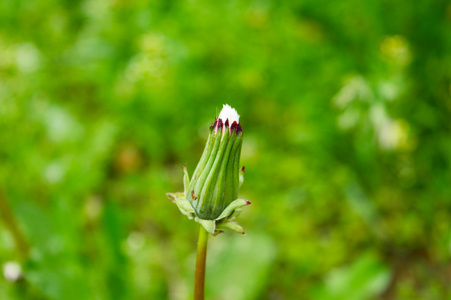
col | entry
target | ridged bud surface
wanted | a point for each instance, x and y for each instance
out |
(215, 182)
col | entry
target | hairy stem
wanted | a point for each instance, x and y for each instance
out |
(199, 276)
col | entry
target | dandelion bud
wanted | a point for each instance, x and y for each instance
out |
(211, 197)
(215, 182)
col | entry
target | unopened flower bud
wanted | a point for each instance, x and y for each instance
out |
(211, 197)
(215, 182)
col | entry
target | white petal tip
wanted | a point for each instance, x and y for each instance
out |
(230, 113)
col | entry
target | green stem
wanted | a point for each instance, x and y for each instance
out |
(10, 221)
(199, 275)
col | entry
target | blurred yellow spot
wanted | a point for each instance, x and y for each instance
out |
(93, 207)
(396, 48)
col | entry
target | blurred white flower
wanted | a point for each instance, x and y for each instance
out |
(12, 271)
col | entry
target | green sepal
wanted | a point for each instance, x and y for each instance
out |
(241, 176)
(215, 227)
(208, 225)
(238, 203)
(185, 178)
(230, 225)
(174, 196)
(184, 206)
(235, 214)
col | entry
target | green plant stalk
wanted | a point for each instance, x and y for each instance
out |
(199, 275)
(10, 221)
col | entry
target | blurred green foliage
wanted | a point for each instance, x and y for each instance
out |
(346, 111)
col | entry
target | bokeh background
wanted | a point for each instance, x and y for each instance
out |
(346, 111)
